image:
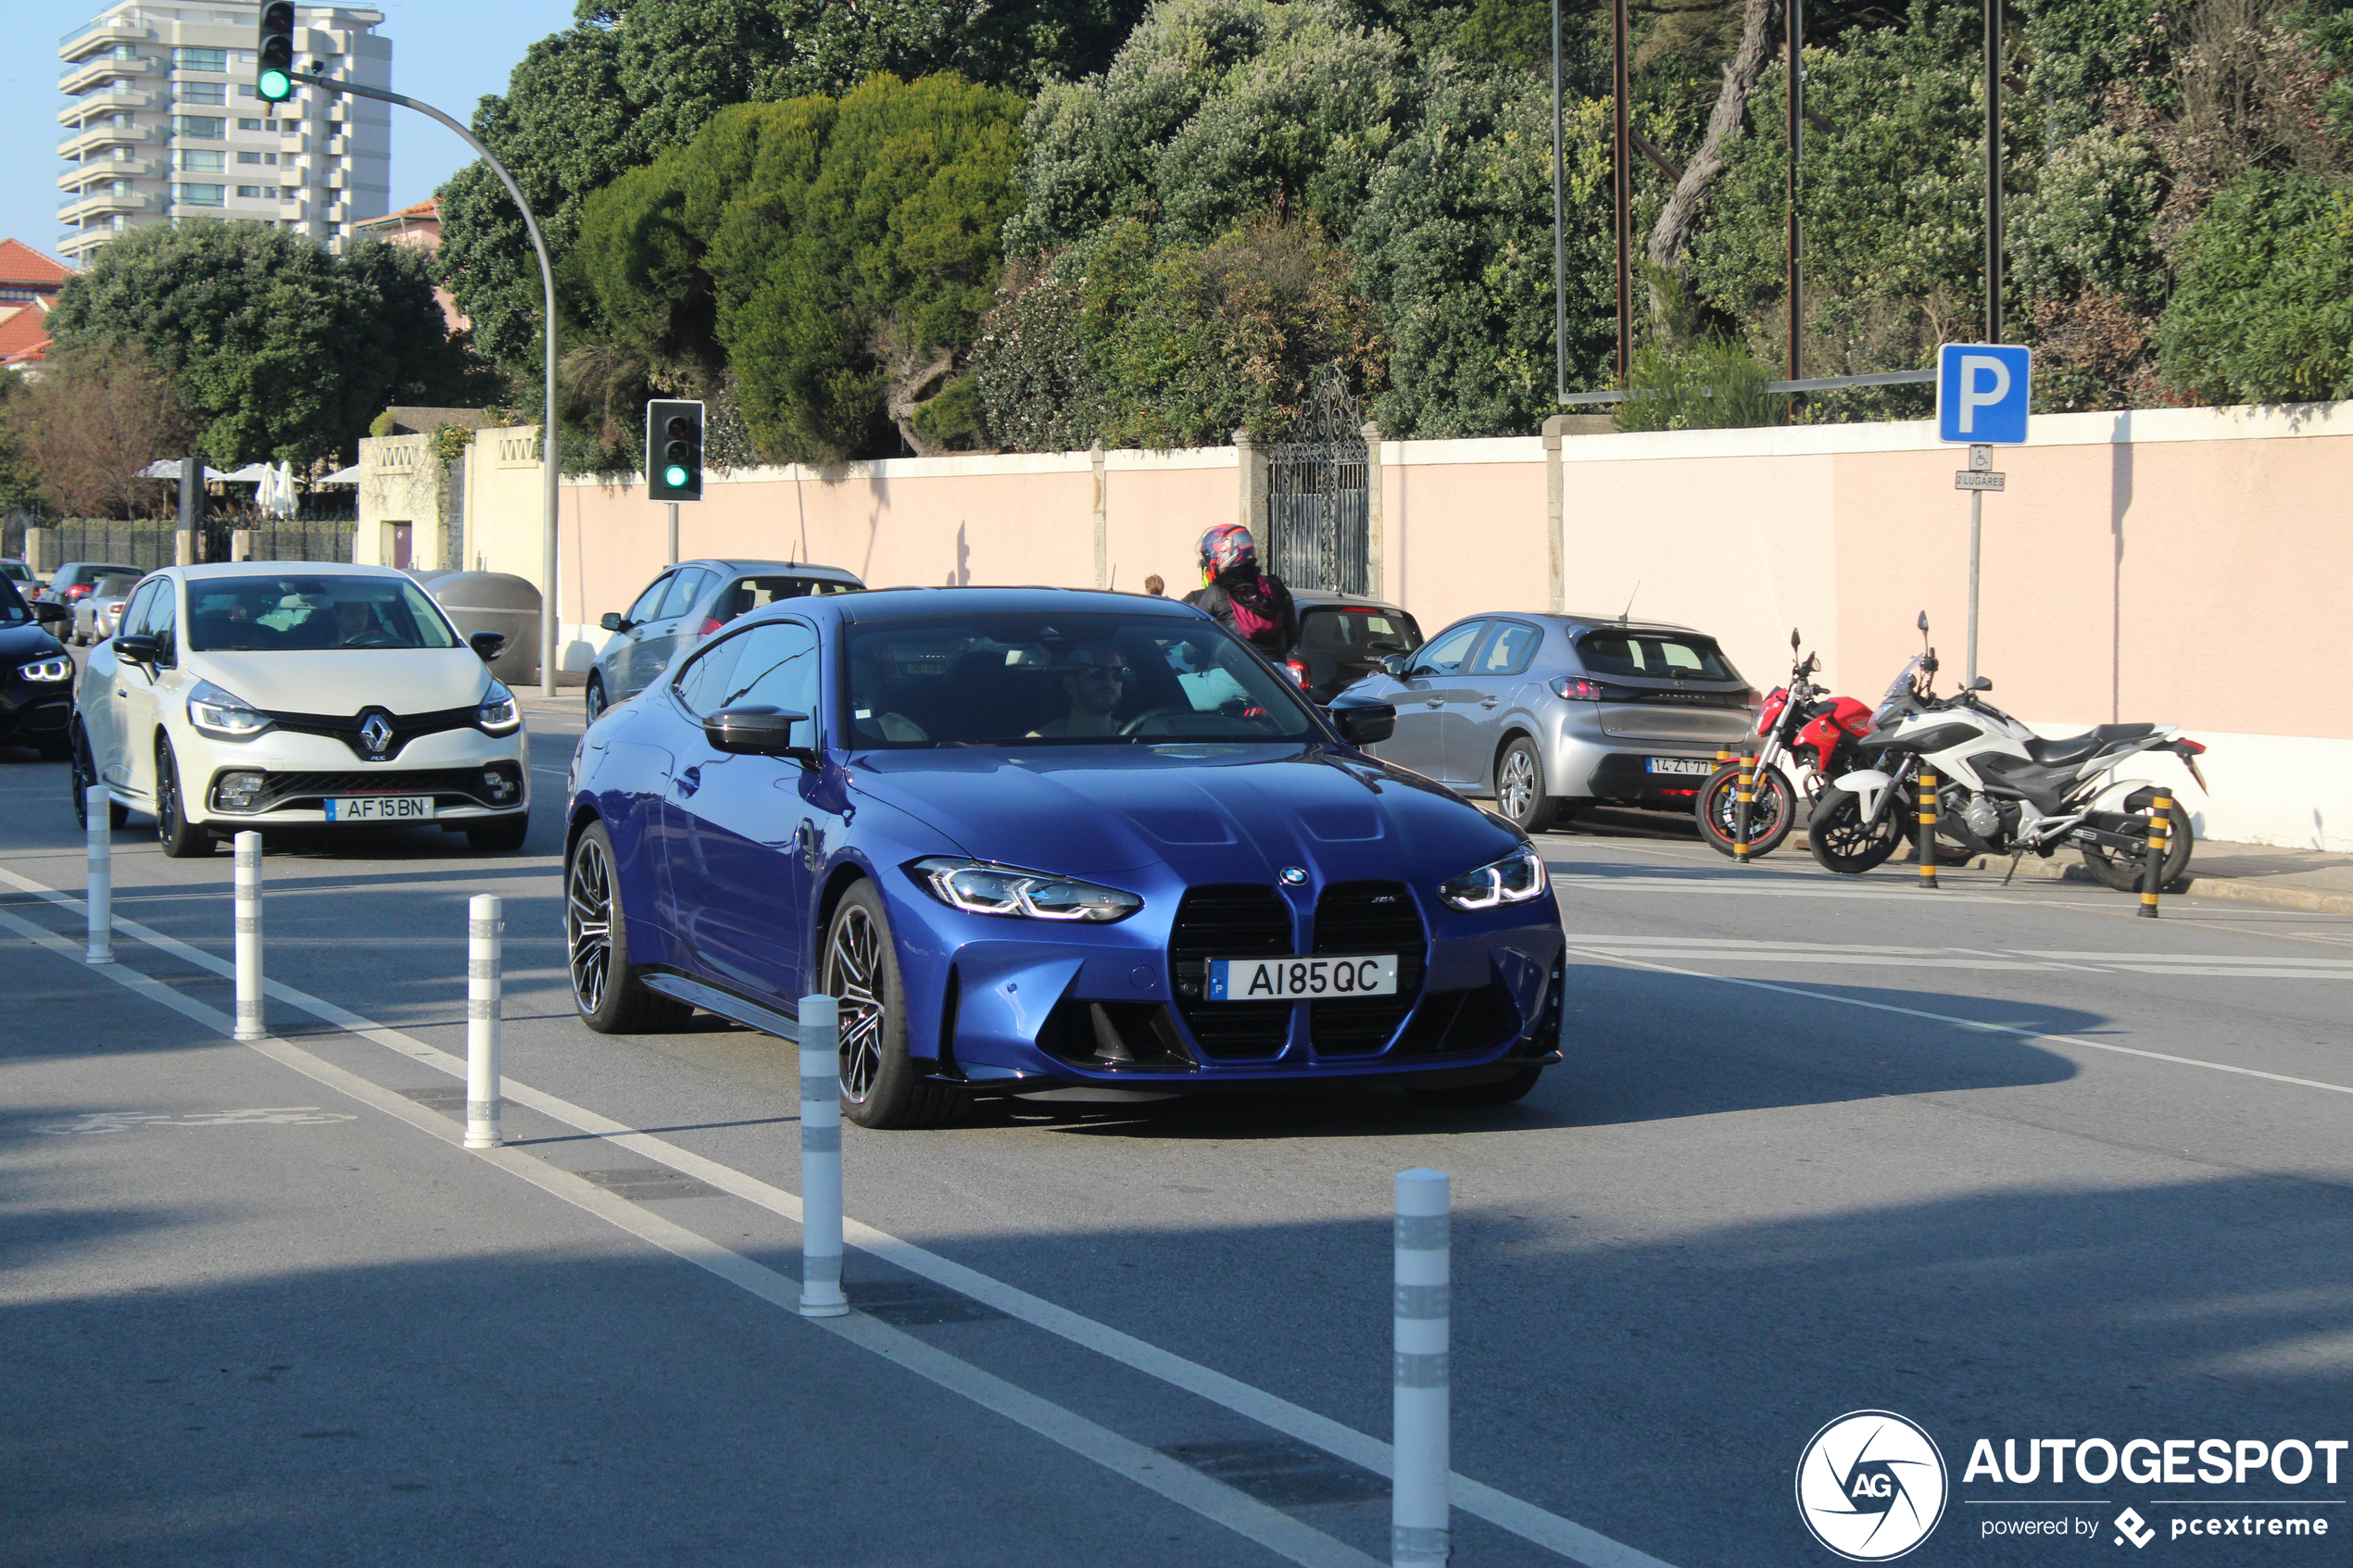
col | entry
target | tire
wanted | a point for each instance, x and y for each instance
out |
(595, 697)
(881, 1086)
(1772, 811)
(608, 994)
(1504, 1091)
(501, 837)
(181, 839)
(1519, 786)
(84, 774)
(2123, 872)
(1840, 841)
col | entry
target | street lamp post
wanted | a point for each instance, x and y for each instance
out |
(547, 622)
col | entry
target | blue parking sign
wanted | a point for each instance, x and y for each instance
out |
(1981, 389)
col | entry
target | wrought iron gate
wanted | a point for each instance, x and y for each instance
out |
(1318, 533)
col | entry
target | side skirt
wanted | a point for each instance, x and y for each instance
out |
(751, 1015)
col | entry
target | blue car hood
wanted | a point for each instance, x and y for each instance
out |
(1210, 813)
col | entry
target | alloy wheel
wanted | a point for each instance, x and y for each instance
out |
(588, 923)
(1515, 791)
(853, 978)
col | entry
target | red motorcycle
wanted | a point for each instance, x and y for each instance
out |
(1802, 727)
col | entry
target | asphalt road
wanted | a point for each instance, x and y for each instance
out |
(2009, 1162)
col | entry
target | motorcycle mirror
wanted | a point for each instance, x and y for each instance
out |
(1981, 685)
(1792, 639)
(1923, 623)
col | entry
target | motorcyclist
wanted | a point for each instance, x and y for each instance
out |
(1252, 604)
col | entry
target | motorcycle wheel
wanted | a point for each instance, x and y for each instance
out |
(1842, 842)
(1772, 814)
(2122, 872)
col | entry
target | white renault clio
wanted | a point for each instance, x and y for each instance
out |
(277, 693)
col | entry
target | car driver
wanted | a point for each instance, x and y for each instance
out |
(1096, 677)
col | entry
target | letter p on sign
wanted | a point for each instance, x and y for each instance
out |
(1981, 392)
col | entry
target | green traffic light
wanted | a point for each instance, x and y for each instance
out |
(675, 476)
(275, 86)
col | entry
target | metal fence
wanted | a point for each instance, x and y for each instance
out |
(304, 541)
(143, 544)
(1318, 532)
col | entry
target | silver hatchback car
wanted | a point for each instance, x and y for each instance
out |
(688, 603)
(1548, 713)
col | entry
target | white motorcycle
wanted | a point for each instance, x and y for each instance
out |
(2001, 789)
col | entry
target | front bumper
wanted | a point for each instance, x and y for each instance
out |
(467, 775)
(1122, 1005)
(31, 714)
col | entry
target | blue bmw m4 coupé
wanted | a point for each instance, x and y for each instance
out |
(1033, 839)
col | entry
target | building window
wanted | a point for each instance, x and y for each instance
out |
(199, 162)
(248, 125)
(248, 157)
(250, 192)
(201, 92)
(202, 127)
(199, 196)
(201, 59)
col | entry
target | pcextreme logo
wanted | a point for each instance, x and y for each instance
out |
(1871, 1485)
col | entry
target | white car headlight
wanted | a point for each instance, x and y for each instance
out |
(980, 888)
(498, 714)
(58, 669)
(1517, 878)
(224, 715)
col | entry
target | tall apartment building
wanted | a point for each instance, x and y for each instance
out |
(162, 123)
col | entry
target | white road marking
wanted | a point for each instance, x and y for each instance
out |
(123, 1120)
(1744, 951)
(1713, 887)
(1978, 1025)
(1179, 1483)
(1499, 1508)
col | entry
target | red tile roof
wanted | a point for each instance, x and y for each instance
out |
(24, 333)
(20, 264)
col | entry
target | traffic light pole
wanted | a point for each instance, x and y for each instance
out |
(548, 607)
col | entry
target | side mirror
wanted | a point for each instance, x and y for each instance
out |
(48, 614)
(612, 621)
(1981, 685)
(135, 648)
(488, 644)
(1396, 664)
(1793, 635)
(1363, 722)
(756, 731)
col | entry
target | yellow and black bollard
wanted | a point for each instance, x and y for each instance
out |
(1743, 805)
(1928, 829)
(2153, 859)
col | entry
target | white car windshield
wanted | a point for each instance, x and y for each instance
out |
(299, 612)
(1024, 678)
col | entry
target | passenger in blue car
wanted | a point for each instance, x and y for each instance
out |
(1096, 677)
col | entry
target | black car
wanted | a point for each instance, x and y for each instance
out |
(77, 578)
(1343, 638)
(36, 675)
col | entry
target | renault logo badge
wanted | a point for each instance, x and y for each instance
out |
(1294, 876)
(377, 734)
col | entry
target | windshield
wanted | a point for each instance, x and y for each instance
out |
(296, 613)
(1897, 690)
(1061, 679)
(1660, 655)
(12, 609)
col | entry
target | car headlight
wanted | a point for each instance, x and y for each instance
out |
(58, 669)
(224, 715)
(980, 888)
(498, 715)
(1514, 879)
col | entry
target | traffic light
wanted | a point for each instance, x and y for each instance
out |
(274, 59)
(674, 451)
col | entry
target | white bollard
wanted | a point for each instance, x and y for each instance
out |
(1417, 1498)
(821, 1295)
(486, 928)
(249, 1025)
(100, 897)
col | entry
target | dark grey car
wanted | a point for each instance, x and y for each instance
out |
(1547, 713)
(688, 603)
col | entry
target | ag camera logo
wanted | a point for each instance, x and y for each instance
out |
(1871, 1485)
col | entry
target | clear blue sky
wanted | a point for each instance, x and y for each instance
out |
(447, 52)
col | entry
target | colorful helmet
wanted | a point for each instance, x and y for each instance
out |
(1226, 546)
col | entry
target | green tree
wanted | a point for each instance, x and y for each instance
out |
(278, 350)
(2262, 306)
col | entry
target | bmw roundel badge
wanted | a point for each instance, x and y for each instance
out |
(1294, 876)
